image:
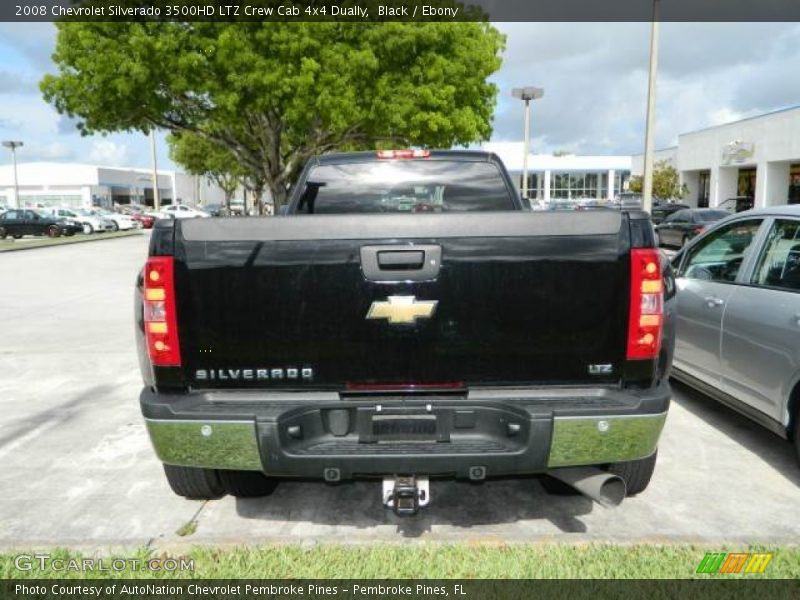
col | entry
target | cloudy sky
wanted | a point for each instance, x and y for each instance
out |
(594, 75)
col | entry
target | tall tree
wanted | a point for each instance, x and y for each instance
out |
(666, 182)
(274, 94)
(199, 156)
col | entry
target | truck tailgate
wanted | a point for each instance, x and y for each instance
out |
(344, 302)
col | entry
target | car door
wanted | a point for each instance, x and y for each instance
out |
(761, 326)
(675, 223)
(28, 226)
(664, 230)
(12, 222)
(706, 279)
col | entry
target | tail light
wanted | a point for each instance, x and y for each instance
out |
(160, 319)
(647, 305)
(404, 154)
(699, 229)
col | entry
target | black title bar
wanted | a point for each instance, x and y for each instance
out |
(392, 589)
(400, 10)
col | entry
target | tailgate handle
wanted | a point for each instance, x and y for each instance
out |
(401, 260)
(420, 262)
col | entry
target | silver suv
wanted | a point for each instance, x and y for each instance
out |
(738, 325)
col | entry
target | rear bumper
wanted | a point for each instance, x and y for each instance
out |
(505, 432)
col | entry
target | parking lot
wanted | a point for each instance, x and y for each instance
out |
(78, 469)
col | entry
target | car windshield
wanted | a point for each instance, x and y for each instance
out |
(399, 186)
(709, 215)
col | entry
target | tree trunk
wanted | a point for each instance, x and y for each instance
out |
(279, 195)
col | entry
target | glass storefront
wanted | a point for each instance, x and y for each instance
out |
(703, 189)
(50, 200)
(794, 184)
(574, 185)
(747, 183)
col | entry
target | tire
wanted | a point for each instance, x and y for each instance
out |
(87, 228)
(17, 236)
(246, 484)
(3, 233)
(114, 226)
(53, 231)
(193, 483)
(635, 473)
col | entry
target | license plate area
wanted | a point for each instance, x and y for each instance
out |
(401, 426)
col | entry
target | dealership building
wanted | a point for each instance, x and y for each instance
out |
(757, 158)
(43, 184)
(565, 176)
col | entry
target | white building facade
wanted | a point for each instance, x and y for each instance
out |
(757, 158)
(565, 177)
(43, 184)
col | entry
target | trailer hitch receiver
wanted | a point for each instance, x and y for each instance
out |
(406, 494)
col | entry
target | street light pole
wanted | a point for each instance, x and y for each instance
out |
(527, 94)
(14, 145)
(527, 147)
(156, 198)
(649, 136)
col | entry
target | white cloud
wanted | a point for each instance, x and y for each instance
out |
(108, 153)
(27, 114)
(55, 151)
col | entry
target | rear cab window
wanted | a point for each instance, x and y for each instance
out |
(404, 186)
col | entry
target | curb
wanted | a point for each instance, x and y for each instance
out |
(76, 239)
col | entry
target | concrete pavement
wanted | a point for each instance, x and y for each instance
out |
(78, 470)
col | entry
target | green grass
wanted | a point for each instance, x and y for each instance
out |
(26, 243)
(414, 561)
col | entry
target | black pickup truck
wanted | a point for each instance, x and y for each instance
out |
(408, 318)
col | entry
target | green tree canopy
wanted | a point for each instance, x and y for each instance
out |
(666, 182)
(273, 94)
(200, 156)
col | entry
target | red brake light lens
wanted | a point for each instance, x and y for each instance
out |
(160, 318)
(389, 154)
(647, 305)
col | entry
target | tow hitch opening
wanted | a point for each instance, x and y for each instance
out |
(406, 494)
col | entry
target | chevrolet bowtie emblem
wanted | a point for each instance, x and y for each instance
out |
(402, 309)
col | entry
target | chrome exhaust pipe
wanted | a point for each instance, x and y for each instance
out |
(601, 486)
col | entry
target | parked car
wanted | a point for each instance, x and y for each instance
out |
(237, 207)
(738, 204)
(146, 221)
(20, 222)
(120, 222)
(90, 222)
(431, 291)
(138, 213)
(628, 201)
(97, 222)
(683, 225)
(738, 320)
(664, 208)
(215, 209)
(181, 211)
